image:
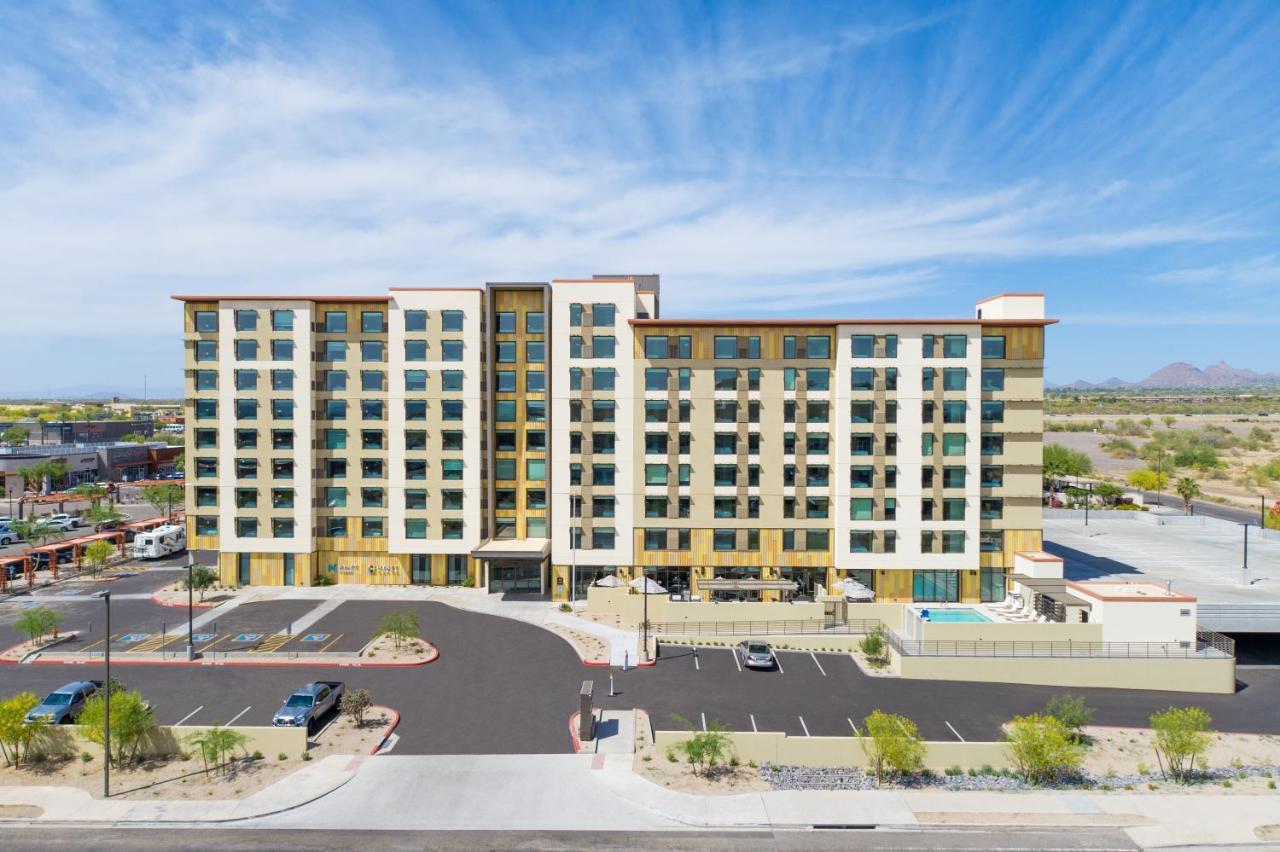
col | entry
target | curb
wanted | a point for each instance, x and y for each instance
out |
(390, 730)
(155, 600)
(232, 663)
(573, 731)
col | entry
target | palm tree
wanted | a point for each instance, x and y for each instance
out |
(1188, 489)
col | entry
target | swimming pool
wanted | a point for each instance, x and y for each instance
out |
(955, 615)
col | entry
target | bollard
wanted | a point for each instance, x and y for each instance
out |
(626, 659)
(586, 716)
(611, 692)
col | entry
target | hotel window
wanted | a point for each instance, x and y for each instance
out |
(993, 445)
(206, 380)
(862, 346)
(926, 444)
(416, 409)
(954, 378)
(954, 346)
(504, 410)
(603, 474)
(603, 346)
(724, 539)
(535, 322)
(335, 350)
(656, 474)
(372, 350)
(246, 498)
(535, 410)
(927, 345)
(862, 379)
(726, 475)
(726, 443)
(603, 378)
(817, 443)
(891, 346)
(927, 412)
(535, 352)
(206, 409)
(333, 468)
(816, 507)
(818, 346)
(335, 380)
(206, 496)
(451, 320)
(789, 378)
(246, 379)
(862, 509)
(726, 411)
(575, 315)
(282, 498)
(505, 322)
(246, 409)
(789, 347)
(602, 443)
(534, 498)
(602, 410)
(953, 477)
(505, 381)
(335, 497)
(283, 468)
(992, 379)
(372, 528)
(415, 439)
(953, 509)
(655, 539)
(451, 499)
(992, 411)
(991, 541)
(371, 439)
(415, 320)
(415, 350)
(817, 378)
(335, 322)
(725, 348)
(954, 443)
(683, 539)
(655, 507)
(373, 322)
(451, 409)
(451, 469)
(206, 350)
(451, 528)
(372, 380)
(451, 440)
(991, 509)
(655, 443)
(816, 412)
(535, 470)
(992, 476)
(725, 507)
(861, 476)
(206, 439)
(862, 444)
(891, 378)
(416, 498)
(862, 412)
(952, 541)
(602, 315)
(656, 378)
(246, 350)
(282, 379)
(206, 321)
(953, 411)
(993, 347)
(656, 411)
(535, 381)
(603, 507)
(817, 476)
(506, 350)
(891, 476)
(451, 350)
(246, 320)
(247, 527)
(372, 409)
(860, 541)
(753, 379)
(246, 439)
(415, 528)
(817, 539)
(206, 467)
(282, 528)
(415, 380)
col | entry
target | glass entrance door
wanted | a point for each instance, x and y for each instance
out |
(521, 577)
(455, 570)
(420, 569)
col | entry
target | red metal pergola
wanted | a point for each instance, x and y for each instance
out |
(28, 570)
(76, 546)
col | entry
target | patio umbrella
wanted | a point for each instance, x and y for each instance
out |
(608, 581)
(647, 586)
(855, 591)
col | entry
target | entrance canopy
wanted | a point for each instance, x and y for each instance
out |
(514, 548)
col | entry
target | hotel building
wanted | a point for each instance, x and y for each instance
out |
(538, 436)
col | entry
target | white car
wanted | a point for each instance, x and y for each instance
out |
(755, 654)
(63, 521)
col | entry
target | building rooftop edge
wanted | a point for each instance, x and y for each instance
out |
(833, 322)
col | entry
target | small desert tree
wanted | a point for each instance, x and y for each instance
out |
(1042, 748)
(400, 626)
(1188, 489)
(1071, 711)
(201, 580)
(1182, 735)
(38, 531)
(705, 749)
(873, 644)
(355, 703)
(131, 721)
(892, 744)
(164, 497)
(216, 745)
(38, 623)
(97, 554)
(17, 734)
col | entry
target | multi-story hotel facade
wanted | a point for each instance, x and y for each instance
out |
(538, 436)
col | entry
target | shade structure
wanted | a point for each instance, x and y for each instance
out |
(647, 586)
(608, 581)
(855, 591)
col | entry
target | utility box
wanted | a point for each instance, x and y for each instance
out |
(586, 714)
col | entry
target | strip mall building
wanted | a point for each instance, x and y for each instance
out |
(536, 437)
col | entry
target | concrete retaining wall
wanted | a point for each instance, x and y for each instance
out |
(827, 642)
(171, 739)
(778, 748)
(1174, 675)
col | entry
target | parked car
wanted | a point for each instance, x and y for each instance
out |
(7, 536)
(308, 704)
(63, 521)
(108, 526)
(63, 705)
(756, 655)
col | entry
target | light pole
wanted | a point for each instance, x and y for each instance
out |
(191, 643)
(106, 727)
(1244, 570)
(1087, 500)
(644, 590)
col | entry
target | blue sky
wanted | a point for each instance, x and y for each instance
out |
(809, 159)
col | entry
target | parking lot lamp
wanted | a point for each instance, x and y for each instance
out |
(644, 590)
(106, 727)
(191, 644)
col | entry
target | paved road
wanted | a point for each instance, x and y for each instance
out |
(1200, 507)
(506, 687)
(55, 839)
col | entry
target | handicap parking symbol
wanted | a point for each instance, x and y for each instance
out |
(203, 637)
(134, 637)
(248, 637)
(69, 592)
(315, 637)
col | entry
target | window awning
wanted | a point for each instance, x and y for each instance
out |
(721, 584)
(513, 548)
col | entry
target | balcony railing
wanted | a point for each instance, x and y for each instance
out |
(1208, 646)
(787, 627)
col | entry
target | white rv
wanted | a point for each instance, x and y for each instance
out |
(161, 541)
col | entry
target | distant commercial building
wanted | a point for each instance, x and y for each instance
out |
(116, 461)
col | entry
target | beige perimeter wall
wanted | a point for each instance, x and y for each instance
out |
(169, 739)
(1174, 675)
(778, 748)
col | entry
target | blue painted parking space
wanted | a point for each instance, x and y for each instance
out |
(315, 637)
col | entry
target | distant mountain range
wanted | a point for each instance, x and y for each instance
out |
(95, 393)
(1180, 374)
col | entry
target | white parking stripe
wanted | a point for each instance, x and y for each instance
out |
(753, 723)
(803, 725)
(736, 661)
(818, 664)
(696, 665)
(704, 721)
(954, 731)
(851, 725)
(237, 716)
(777, 661)
(188, 716)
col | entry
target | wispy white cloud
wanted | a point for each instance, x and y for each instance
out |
(1254, 272)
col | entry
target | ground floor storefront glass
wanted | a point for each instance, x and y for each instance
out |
(522, 576)
(455, 569)
(992, 585)
(736, 573)
(674, 580)
(585, 575)
(807, 581)
(935, 586)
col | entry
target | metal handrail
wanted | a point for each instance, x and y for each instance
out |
(798, 626)
(1208, 645)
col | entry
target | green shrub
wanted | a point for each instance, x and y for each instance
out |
(892, 744)
(257, 755)
(282, 756)
(1182, 737)
(1042, 748)
(1071, 711)
(873, 644)
(306, 755)
(86, 757)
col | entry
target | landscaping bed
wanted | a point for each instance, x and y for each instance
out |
(674, 771)
(592, 649)
(383, 649)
